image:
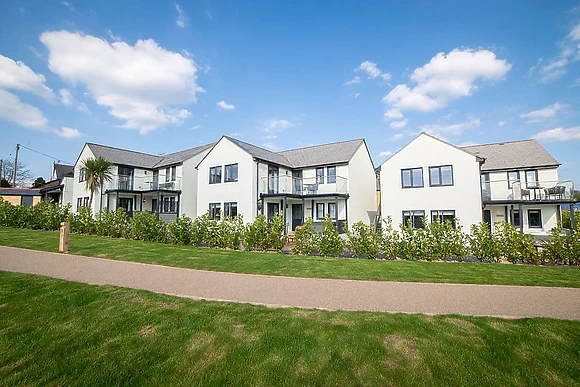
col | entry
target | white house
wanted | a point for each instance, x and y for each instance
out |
(60, 188)
(165, 184)
(335, 179)
(430, 178)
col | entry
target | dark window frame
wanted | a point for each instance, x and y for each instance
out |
(320, 177)
(318, 207)
(414, 215)
(173, 173)
(228, 206)
(82, 176)
(539, 211)
(438, 167)
(537, 182)
(410, 170)
(333, 204)
(227, 178)
(331, 178)
(439, 214)
(215, 210)
(509, 181)
(212, 174)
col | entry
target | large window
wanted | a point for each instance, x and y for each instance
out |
(331, 175)
(214, 211)
(441, 176)
(412, 177)
(320, 175)
(532, 179)
(332, 210)
(231, 173)
(443, 216)
(173, 173)
(82, 202)
(319, 210)
(170, 173)
(169, 205)
(215, 175)
(516, 218)
(535, 218)
(230, 209)
(415, 217)
(81, 175)
(513, 177)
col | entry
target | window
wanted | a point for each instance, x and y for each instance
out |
(273, 179)
(513, 177)
(230, 209)
(331, 175)
(485, 187)
(532, 179)
(86, 201)
(319, 210)
(81, 175)
(173, 173)
(516, 218)
(79, 203)
(443, 216)
(169, 205)
(412, 177)
(415, 217)
(535, 218)
(320, 175)
(441, 176)
(82, 202)
(231, 173)
(214, 211)
(215, 175)
(167, 172)
(332, 210)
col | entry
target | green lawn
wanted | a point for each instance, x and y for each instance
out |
(279, 264)
(64, 333)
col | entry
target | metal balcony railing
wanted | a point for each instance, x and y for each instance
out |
(304, 186)
(142, 183)
(542, 191)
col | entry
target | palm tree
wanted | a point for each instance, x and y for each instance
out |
(97, 171)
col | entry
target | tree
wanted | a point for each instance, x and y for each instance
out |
(97, 171)
(4, 183)
(38, 182)
(23, 173)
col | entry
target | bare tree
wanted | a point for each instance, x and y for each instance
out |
(24, 176)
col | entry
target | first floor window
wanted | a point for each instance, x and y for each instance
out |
(441, 176)
(214, 211)
(320, 175)
(230, 209)
(332, 210)
(81, 175)
(331, 175)
(443, 216)
(319, 210)
(513, 177)
(231, 173)
(412, 177)
(215, 175)
(173, 173)
(415, 217)
(532, 179)
(535, 218)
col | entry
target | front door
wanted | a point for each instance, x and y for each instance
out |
(126, 204)
(297, 216)
(154, 206)
(273, 209)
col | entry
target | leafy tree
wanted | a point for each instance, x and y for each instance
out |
(38, 182)
(97, 171)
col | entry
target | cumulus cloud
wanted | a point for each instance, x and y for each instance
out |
(65, 132)
(399, 124)
(28, 116)
(501, 123)
(182, 18)
(353, 81)
(65, 97)
(275, 126)
(446, 78)
(560, 134)
(17, 76)
(395, 137)
(372, 71)
(140, 85)
(547, 112)
(445, 130)
(225, 106)
(551, 69)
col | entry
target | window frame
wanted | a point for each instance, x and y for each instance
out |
(440, 175)
(216, 168)
(509, 182)
(414, 214)
(537, 183)
(215, 210)
(410, 170)
(228, 206)
(173, 173)
(332, 204)
(82, 176)
(85, 201)
(439, 214)
(539, 211)
(318, 207)
(320, 177)
(230, 180)
(329, 175)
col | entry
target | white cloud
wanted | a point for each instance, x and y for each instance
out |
(275, 126)
(223, 105)
(65, 97)
(549, 70)
(353, 81)
(373, 71)
(182, 18)
(386, 154)
(28, 116)
(196, 127)
(140, 84)
(547, 112)
(444, 79)
(17, 76)
(65, 132)
(501, 123)
(399, 124)
(443, 131)
(356, 95)
(113, 36)
(271, 146)
(560, 134)
(395, 137)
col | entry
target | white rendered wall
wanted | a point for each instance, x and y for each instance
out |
(549, 217)
(362, 204)
(189, 184)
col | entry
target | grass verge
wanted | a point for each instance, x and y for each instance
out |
(296, 266)
(64, 333)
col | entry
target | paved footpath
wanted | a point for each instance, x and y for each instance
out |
(331, 294)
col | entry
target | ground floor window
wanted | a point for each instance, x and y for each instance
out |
(319, 210)
(332, 210)
(82, 202)
(415, 217)
(214, 211)
(535, 218)
(230, 209)
(169, 205)
(443, 216)
(516, 218)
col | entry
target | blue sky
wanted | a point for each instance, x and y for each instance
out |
(159, 77)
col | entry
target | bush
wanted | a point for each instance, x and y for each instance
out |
(444, 241)
(411, 242)
(200, 229)
(13, 216)
(231, 232)
(47, 216)
(276, 237)
(515, 246)
(562, 249)
(257, 233)
(82, 222)
(146, 227)
(483, 244)
(179, 230)
(389, 240)
(112, 223)
(363, 241)
(330, 243)
(306, 240)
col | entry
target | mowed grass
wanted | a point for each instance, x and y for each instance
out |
(297, 266)
(59, 333)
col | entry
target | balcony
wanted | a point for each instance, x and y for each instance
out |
(302, 186)
(144, 183)
(545, 191)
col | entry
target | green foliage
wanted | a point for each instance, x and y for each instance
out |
(231, 232)
(330, 243)
(363, 241)
(515, 246)
(305, 239)
(562, 249)
(83, 222)
(146, 227)
(566, 221)
(200, 230)
(180, 230)
(47, 216)
(483, 244)
(263, 234)
(97, 171)
(13, 216)
(443, 241)
(390, 240)
(276, 238)
(112, 223)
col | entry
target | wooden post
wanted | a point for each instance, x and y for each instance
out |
(63, 240)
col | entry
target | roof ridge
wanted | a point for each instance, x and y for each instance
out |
(267, 150)
(188, 149)
(499, 142)
(123, 149)
(328, 143)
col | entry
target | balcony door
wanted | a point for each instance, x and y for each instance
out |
(273, 179)
(155, 184)
(297, 183)
(126, 178)
(485, 187)
(297, 216)
(126, 204)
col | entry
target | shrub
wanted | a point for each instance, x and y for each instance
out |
(306, 240)
(330, 243)
(562, 249)
(412, 243)
(179, 230)
(200, 229)
(363, 241)
(13, 216)
(276, 237)
(111, 223)
(389, 239)
(231, 232)
(47, 215)
(82, 222)
(515, 246)
(444, 241)
(483, 244)
(146, 227)
(257, 233)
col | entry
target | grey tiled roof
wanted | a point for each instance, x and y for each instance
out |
(20, 191)
(334, 153)
(513, 154)
(64, 169)
(143, 160)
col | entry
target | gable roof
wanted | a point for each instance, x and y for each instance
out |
(143, 160)
(512, 155)
(261, 153)
(64, 170)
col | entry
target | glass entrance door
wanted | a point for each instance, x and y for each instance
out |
(126, 204)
